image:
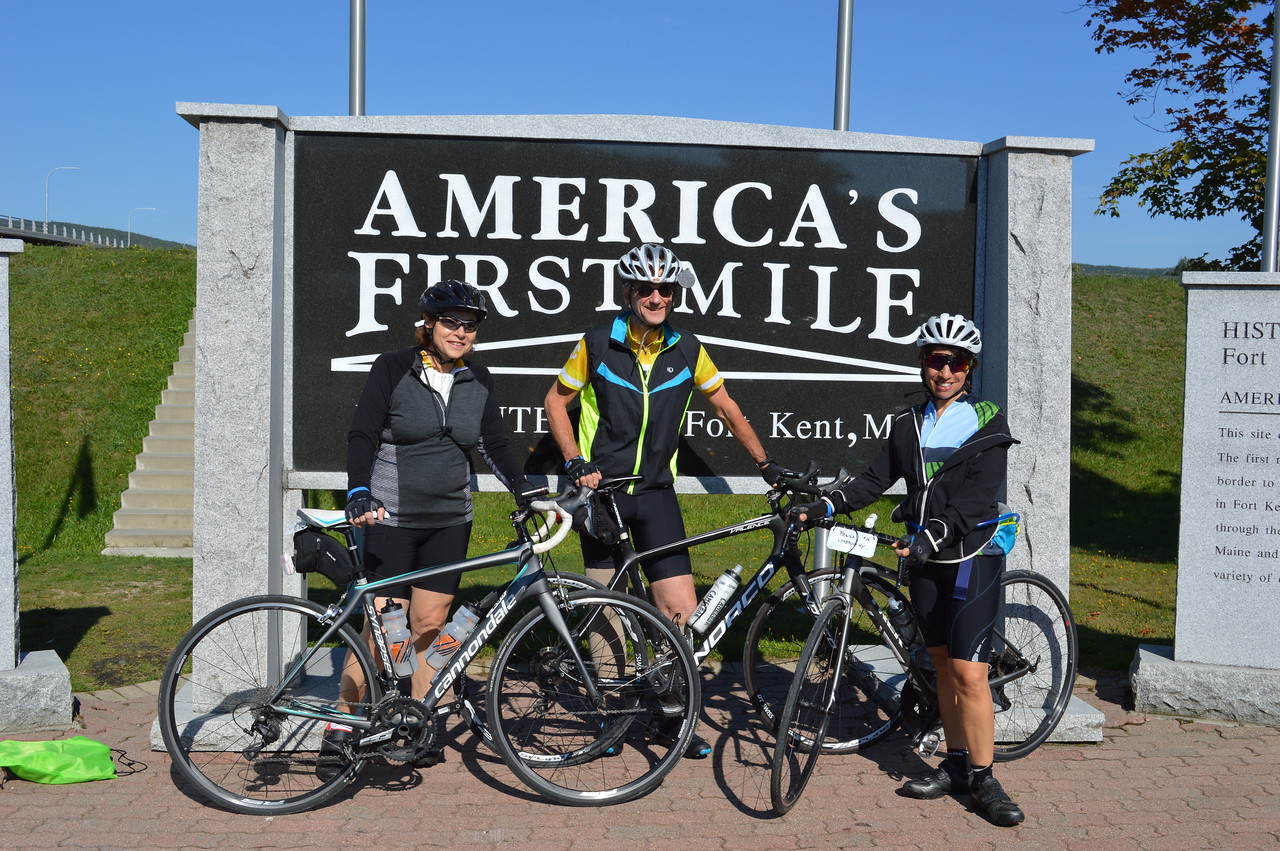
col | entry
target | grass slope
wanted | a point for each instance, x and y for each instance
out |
(95, 334)
(94, 337)
(1128, 340)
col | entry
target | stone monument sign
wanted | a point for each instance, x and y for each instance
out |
(1225, 662)
(1229, 545)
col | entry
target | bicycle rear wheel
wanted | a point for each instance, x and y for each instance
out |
(227, 737)
(581, 752)
(805, 716)
(1034, 646)
(868, 704)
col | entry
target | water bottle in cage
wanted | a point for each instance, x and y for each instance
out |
(717, 598)
(399, 640)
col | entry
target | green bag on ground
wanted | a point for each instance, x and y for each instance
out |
(73, 760)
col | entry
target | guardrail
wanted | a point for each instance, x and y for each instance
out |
(45, 232)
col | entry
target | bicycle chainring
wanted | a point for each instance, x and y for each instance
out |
(407, 727)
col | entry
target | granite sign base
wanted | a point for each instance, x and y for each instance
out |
(36, 695)
(1197, 690)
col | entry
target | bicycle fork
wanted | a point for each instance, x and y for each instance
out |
(555, 617)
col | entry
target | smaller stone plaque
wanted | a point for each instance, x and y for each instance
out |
(1229, 541)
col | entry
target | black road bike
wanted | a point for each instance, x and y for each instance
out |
(864, 668)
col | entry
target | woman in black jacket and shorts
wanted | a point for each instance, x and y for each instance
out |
(423, 409)
(951, 452)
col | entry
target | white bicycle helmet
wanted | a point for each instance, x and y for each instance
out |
(950, 329)
(654, 264)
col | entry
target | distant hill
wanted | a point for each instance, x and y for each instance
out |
(123, 235)
(1131, 271)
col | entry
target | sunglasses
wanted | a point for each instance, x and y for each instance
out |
(644, 290)
(958, 363)
(451, 323)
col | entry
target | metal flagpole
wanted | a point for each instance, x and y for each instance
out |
(356, 97)
(1273, 152)
(844, 50)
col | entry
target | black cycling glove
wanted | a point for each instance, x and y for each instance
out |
(921, 550)
(771, 471)
(526, 492)
(812, 511)
(360, 502)
(577, 467)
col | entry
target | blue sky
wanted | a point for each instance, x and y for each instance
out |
(94, 84)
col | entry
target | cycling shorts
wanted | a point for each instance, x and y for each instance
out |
(653, 519)
(391, 551)
(958, 604)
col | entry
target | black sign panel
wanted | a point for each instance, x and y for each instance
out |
(814, 270)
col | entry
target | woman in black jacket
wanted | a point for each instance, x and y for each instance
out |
(422, 410)
(951, 452)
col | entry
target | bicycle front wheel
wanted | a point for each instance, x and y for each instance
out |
(812, 698)
(229, 738)
(1033, 662)
(868, 704)
(574, 748)
(470, 694)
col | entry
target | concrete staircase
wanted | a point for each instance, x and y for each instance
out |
(155, 511)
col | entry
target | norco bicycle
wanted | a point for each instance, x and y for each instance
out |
(768, 656)
(864, 668)
(249, 689)
(768, 684)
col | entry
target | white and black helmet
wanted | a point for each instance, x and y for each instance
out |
(950, 329)
(653, 264)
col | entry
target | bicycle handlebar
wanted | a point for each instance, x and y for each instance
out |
(551, 510)
(806, 482)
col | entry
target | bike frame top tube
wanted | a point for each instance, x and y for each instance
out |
(512, 556)
(360, 595)
(773, 522)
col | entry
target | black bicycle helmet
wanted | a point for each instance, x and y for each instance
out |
(453, 295)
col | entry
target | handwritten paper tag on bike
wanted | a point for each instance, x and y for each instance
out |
(846, 539)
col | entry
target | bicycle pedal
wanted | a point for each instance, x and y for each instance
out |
(929, 745)
(428, 758)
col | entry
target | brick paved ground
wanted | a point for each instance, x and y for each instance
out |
(1153, 783)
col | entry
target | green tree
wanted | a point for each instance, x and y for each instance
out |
(1207, 86)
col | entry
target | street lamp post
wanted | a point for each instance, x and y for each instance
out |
(46, 189)
(129, 238)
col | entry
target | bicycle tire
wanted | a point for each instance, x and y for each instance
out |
(549, 732)
(869, 707)
(803, 723)
(1037, 625)
(471, 696)
(212, 715)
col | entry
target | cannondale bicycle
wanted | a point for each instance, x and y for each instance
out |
(250, 688)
